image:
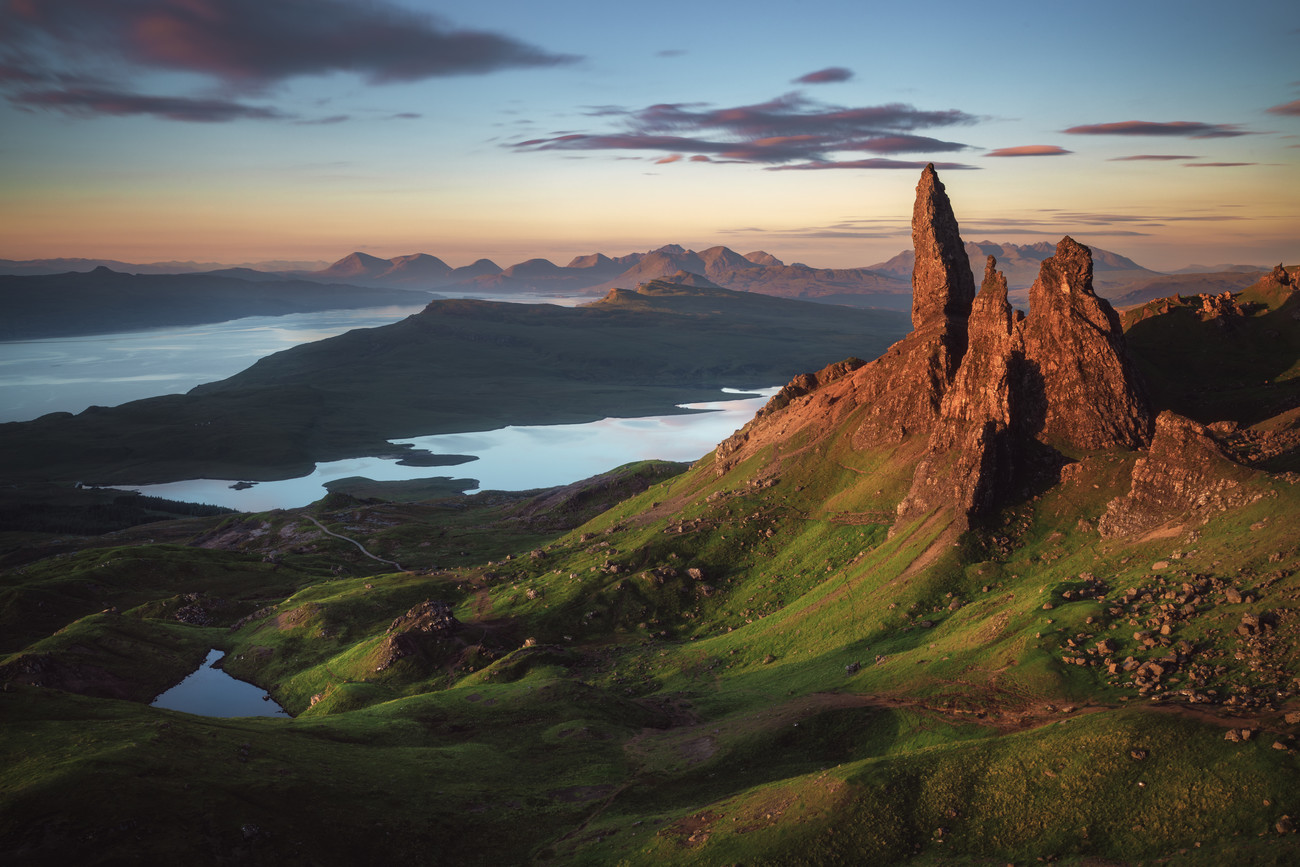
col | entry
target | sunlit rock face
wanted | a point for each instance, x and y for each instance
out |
(1081, 388)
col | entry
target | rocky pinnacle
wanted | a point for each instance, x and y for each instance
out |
(942, 284)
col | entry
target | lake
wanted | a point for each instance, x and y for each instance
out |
(68, 374)
(71, 373)
(515, 458)
(210, 691)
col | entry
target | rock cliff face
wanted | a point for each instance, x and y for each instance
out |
(986, 386)
(970, 455)
(942, 284)
(1184, 475)
(1080, 386)
(905, 387)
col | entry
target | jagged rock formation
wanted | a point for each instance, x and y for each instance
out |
(905, 386)
(970, 453)
(1081, 387)
(1184, 475)
(988, 387)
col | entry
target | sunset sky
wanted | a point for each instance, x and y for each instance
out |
(246, 130)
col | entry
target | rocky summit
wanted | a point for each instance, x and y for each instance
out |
(997, 393)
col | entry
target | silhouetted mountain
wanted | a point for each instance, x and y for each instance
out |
(104, 301)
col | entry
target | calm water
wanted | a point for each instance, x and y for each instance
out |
(71, 373)
(68, 374)
(509, 459)
(211, 692)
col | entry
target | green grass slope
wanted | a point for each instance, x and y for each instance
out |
(753, 667)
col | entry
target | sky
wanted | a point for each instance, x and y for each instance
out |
(244, 130)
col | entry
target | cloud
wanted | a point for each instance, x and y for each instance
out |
(1291, 108)
(874, 163)
(1029, 151)
(1152, 157)
(1183, 128)
(71, 54)
(829, 75)
(670, 52)
(787, 129)
(325, 121)
(253, 41)
(1216, 165)
(671, 158)
(88, 101)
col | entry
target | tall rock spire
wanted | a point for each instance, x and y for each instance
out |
(942, 284)
(970, 457)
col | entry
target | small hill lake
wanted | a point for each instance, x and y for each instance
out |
(209, 691)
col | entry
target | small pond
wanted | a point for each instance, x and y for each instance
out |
(210, 691)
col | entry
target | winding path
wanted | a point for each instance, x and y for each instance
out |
(360, 547)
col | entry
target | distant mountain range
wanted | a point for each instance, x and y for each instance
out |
(62, 266)
(882, 285)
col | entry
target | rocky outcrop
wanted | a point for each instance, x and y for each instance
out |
(411, 633)
(904, 388)
(1184, 475)
(994, 393)
(1080, 387)
(970, 456)
(1278, 278)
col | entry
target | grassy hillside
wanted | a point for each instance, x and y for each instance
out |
(749, 667)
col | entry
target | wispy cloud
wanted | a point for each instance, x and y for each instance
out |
(90, 101)
(1181, 128)
(1152, 157)
(1216, 165)
(829, 75)
(874, 163)
(245, 46)
(1029, 151)
(788, 129)
(1288, 108)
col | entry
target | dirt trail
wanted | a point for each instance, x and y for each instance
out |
(360, 547)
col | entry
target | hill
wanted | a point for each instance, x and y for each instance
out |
(459, 365)
(986, 598)
(103, 301)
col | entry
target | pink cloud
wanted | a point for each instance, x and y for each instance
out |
(786, 129)
(874, 163)
(245, 44)
(829, 75)
(1185, 128)
(1291, 108)
(1029, 151)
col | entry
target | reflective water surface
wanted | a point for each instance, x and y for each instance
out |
(211, 692)
(510, 459)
